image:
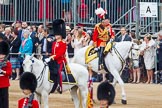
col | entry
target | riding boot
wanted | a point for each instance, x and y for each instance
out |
(101, 66)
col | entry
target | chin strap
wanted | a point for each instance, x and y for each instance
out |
(29, 104)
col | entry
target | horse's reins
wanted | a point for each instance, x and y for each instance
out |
(121, 59)
(41, 75)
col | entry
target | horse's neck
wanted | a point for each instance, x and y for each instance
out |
(123, 48)
(38, 66)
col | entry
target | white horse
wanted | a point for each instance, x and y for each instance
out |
(38, 67)
(114, 61)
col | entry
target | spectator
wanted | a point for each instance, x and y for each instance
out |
(148, 51)
(14, 48)
(78, 41)
(160, 51)
(88, 39)
(34, 38)
(7, 34)
(83, 11)
(2, 28)
(46, 43)
(124, 36)
(66, 10)
(40, 37)
(135, 56)
(26, 46)
(70, 49)
(34, 28)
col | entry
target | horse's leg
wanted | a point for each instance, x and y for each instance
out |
(38, 96)
(114, 84)
(84, 94)
(75, 96)
(45, 98)
(121, 83)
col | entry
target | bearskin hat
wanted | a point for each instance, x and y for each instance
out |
(4, 48)
(59, 28)
(106, 91)
(28, 81)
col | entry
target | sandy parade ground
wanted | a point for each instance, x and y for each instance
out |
(138, 96)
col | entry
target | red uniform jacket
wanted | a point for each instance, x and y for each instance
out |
(4, 78)
(59, 50)
(22, 102)
(98, 31)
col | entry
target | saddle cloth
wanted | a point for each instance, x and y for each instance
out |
(91, 54)
(67, 76)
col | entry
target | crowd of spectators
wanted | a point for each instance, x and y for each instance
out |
(28, 39)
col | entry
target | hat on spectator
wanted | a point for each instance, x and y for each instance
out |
(68, 28)
(80, 25)
(59, 28)
(28, 81)
(18, 21)
(106, 91)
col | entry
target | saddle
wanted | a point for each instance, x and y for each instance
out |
(67, 76)
(91, 54)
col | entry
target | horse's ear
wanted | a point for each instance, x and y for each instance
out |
(32, 55)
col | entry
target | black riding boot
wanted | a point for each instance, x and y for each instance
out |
(100, 62)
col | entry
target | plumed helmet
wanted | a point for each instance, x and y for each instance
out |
(59, 28)
(106, 91)
(28, 81)
(101, 13)
(4, 48)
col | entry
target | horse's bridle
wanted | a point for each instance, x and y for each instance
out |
(40, 77)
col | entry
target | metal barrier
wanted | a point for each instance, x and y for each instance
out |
(73, 11)
(121, 12)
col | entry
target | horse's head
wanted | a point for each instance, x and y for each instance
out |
(134, 52)
(28, 63)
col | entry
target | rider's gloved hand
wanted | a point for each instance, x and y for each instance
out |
(111, 40)
(96, 49)
(47, 60)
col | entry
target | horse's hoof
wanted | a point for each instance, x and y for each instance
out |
(124, 102)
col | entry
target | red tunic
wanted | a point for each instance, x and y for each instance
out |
(22, 102)
(59, 50)
(4, 78)
(96, 38)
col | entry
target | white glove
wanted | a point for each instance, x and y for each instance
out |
(47, 60)
(96, 49)
(111, 40)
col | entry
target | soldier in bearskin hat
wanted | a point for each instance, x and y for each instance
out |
(5, 72)
(105, 94)
(102, 34)
(58, 51)
(28, 84)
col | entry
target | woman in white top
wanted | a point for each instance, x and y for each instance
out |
(148, 51)
(77, 43)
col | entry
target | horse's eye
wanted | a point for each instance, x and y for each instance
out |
(32, 61)
(22, 64)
